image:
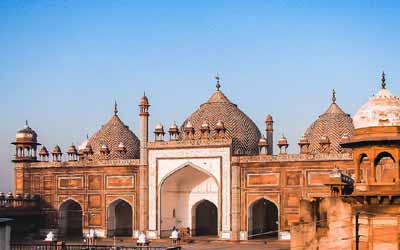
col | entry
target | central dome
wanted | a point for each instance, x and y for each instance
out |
(239, 127)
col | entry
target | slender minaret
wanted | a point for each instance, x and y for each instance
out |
(144, 128)
(143, 173)
(270, 135)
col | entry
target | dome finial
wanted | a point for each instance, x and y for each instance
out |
(218, 84)
(383, 80)
(26, 123)
(115, 108)
(333, 96)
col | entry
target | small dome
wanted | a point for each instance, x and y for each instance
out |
(174, 128)
(268, 118)
(104, 148)
(72, 149)
(333, 123)
(43, 151)
(112, 134)
(2, 196)
(220, 125)
(382, 109)
(239, 127)
(159, 128)
(57, 150)
(324, 139)
(26, 135)
(10, 195)
(121, 147)
(283, 141)
(303, 140)
(88, 149)
(263, 141)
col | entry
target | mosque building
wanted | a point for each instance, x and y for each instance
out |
(216, 173)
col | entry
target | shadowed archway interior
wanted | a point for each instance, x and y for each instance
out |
(263, 219)
(70, 219)
(119, 218)
(206, 218)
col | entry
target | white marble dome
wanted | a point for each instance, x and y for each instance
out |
(382, 109)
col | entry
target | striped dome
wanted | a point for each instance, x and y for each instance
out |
(239, 127)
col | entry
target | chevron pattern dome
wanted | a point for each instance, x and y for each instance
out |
(239, 127)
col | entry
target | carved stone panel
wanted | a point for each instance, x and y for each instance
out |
(70, 182)
(293, 178)
(317, 178)
(95, 182)
(120, 181)
(94, 201)
(94, 218)
(267, 179)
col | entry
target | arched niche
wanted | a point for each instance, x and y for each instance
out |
(263, 219)
(70, 219)
(385, 168)
(119, 218)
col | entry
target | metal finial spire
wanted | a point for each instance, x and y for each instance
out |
(383, 80)
(115, 108)
(333, 96)
(87, 136)
(218, 84)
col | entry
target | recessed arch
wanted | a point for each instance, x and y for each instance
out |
(263, 219)
(179, 191)
(70, 218)
(119, 218)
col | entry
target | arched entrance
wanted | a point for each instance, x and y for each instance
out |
(206, 214)
(70, 219)
(179, 192)
(119, 219)
(263, 219)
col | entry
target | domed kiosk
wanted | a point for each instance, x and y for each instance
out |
(376, 142)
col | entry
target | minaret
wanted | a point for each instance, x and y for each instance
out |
(270, 135)
(144, 128)
(143, 173)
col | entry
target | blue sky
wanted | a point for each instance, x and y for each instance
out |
(63, 63)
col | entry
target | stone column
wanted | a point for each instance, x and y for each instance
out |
(235, 209)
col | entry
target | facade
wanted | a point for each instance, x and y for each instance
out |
(215, 174)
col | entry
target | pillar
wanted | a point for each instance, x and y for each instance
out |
(235, 209)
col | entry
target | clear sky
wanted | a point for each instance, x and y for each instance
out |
(63, 63)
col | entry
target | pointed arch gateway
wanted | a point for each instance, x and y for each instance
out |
(188, 191)
(263, 219)
(119, 218)
(70, 219)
